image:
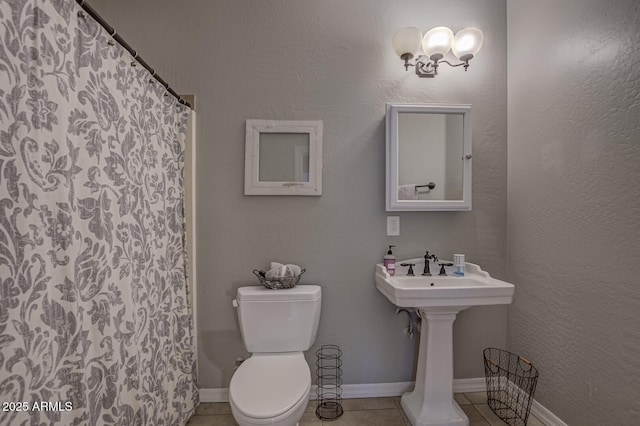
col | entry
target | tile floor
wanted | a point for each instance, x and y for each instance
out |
(362, 412)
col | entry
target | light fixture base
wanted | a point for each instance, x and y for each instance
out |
(406, 57)
(426, 68)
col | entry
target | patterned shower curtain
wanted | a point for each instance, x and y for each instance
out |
(94, 323)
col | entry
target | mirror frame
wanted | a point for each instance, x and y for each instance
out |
(252, 184)
(392, 202)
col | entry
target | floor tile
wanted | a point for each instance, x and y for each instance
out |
(404, 417)
(489, 415)
(398, 402)
(476, 397)
(493, 419)
(461, 399)
(534, 421)
(213, 420)
(475, 418)
(208, 408)
(310, 419)
(381, 417)
(311, 406)
(362, 412)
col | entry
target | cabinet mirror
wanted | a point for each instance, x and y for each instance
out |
(428, 157)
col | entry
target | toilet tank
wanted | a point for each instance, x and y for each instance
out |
(279, 320)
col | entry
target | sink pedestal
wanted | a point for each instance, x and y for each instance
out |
(431, 403)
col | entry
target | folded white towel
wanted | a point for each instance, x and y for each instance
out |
(278, 270)
(407, 192)
(295, 269)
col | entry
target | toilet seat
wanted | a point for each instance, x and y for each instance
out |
(266, 386)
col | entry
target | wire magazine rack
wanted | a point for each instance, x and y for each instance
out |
(329, 382)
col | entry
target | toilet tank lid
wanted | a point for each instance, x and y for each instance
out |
(263, 294)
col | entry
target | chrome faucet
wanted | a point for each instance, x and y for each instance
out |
(427, 257)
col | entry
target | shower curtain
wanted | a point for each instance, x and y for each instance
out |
(94, 323)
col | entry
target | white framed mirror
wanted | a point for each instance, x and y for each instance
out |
(428, 157)
(283, 157)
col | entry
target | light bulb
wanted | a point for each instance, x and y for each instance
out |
(437, 42)
(467, 43)
(406, 41)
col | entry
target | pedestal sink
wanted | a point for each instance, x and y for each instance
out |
(439, 299)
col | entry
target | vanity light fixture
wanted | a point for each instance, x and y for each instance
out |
(465, 44)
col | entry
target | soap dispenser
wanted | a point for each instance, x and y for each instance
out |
(390, 262)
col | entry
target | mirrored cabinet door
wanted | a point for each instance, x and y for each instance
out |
(428, 157)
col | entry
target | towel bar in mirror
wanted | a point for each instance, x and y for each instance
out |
(428, 157)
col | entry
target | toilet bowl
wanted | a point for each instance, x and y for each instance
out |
(270, 389)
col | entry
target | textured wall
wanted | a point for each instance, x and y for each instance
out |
(574, 203)
(328, 60)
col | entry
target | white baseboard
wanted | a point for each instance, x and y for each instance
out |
(365, 390)
(214, 394)
(377, 390)
(372, 390)
(545, 416)
(469, 385)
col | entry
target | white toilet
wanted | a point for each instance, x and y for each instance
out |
(272, 386)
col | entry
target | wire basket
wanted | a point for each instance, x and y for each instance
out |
(511, 383)
(329, 382)
(277, 283)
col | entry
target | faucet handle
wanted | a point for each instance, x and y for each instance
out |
(442, 265)
(410, 265)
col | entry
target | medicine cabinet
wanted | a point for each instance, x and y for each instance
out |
(428, 157)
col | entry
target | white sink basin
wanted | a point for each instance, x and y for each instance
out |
(439, 299)
(476, 288)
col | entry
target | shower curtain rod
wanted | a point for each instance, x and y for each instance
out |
(95, 15)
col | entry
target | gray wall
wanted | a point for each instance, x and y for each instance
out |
(327, 60)
(574, 203)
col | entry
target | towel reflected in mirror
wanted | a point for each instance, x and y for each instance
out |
(407, 192)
